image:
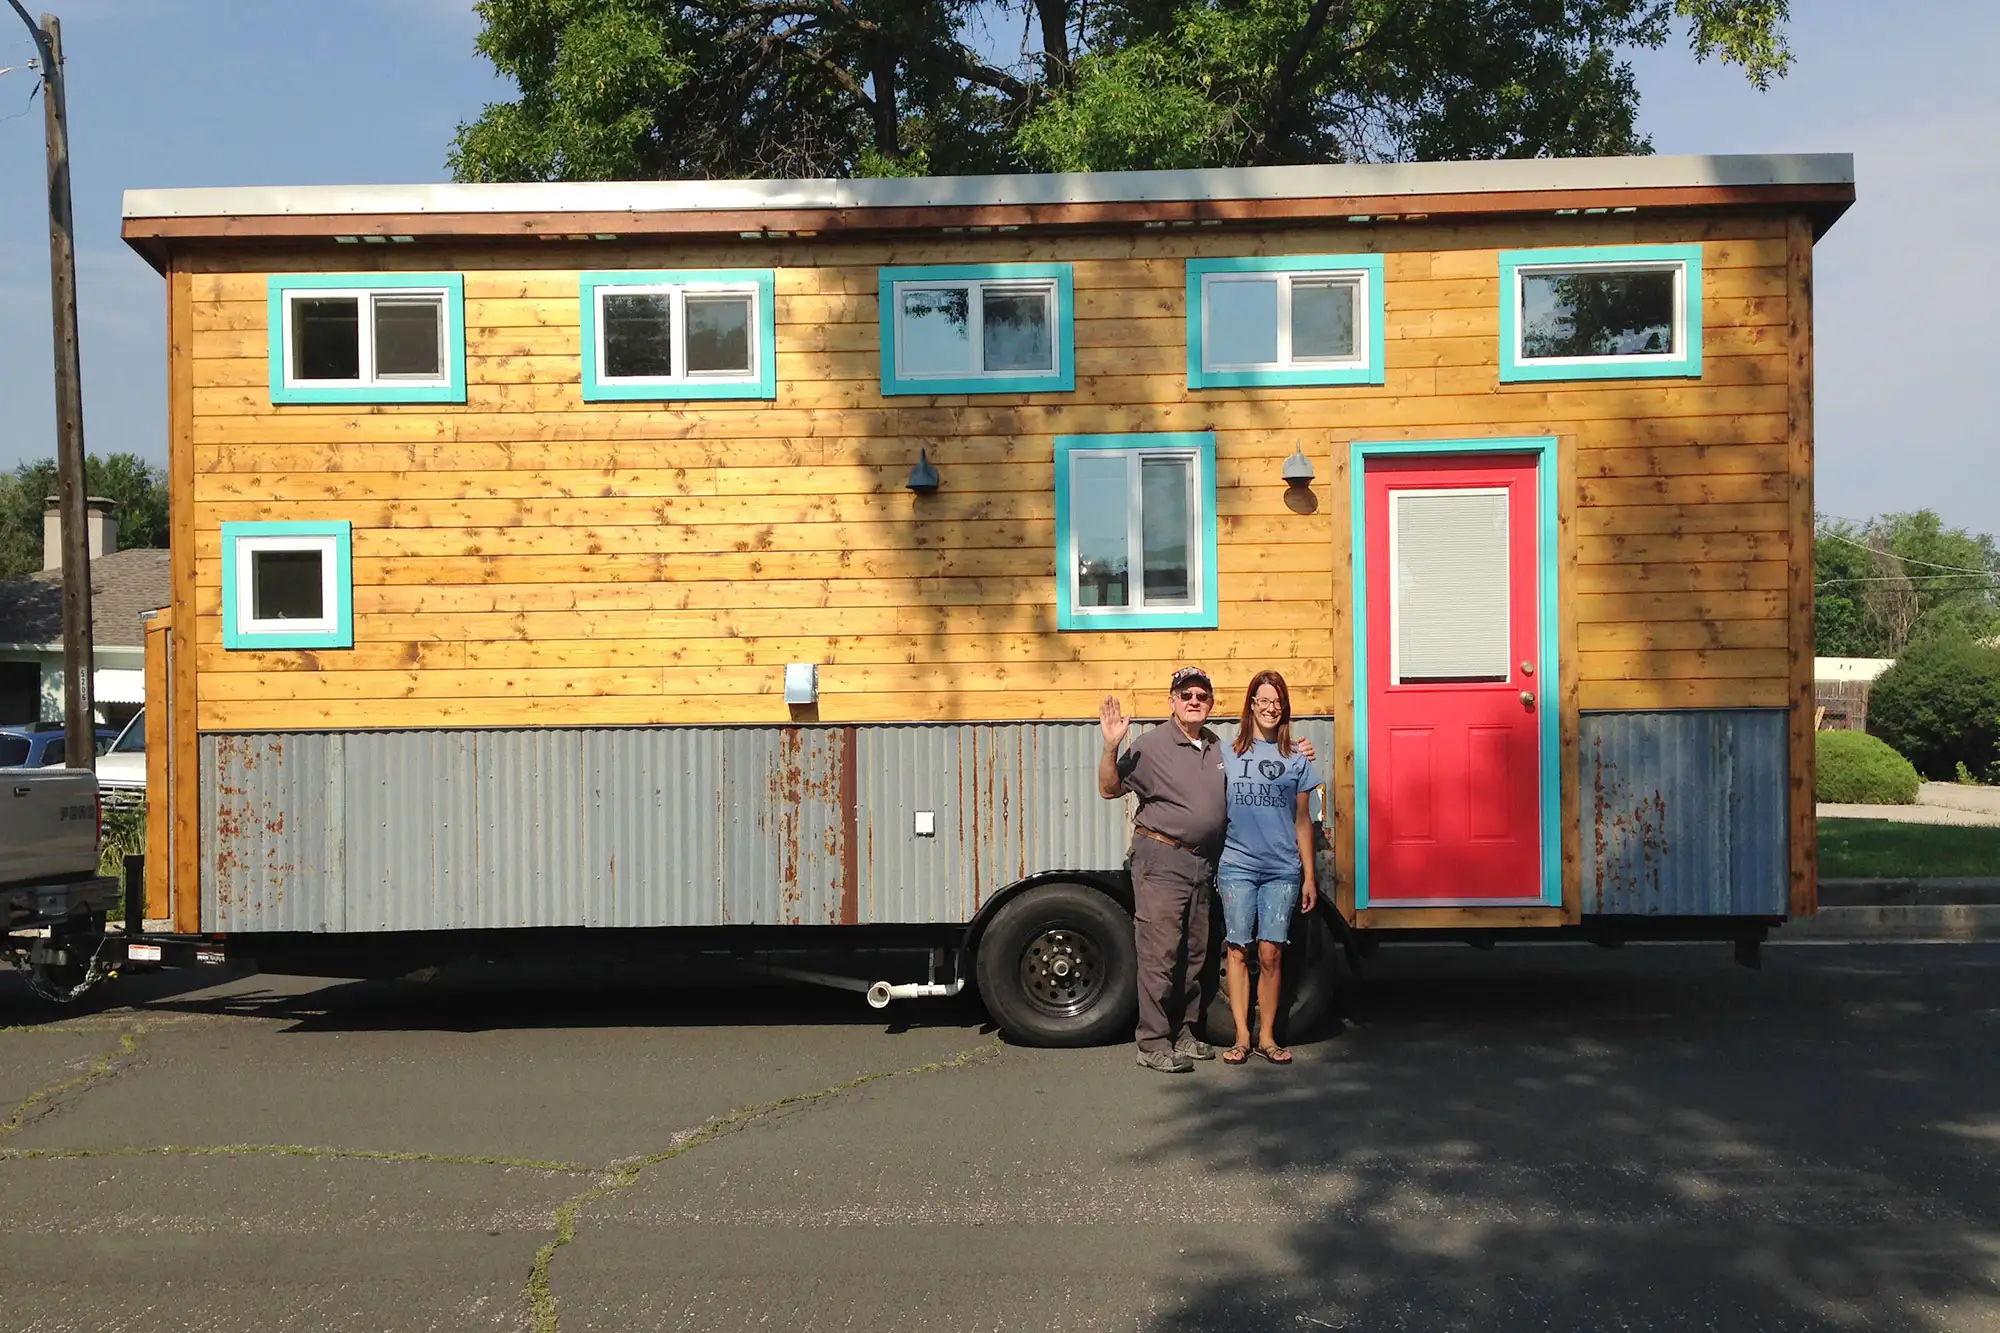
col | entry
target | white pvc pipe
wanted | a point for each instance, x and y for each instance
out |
(882, 992)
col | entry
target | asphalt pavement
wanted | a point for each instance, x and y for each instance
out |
(1534, 1137)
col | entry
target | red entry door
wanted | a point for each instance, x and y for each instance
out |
(1455, 683)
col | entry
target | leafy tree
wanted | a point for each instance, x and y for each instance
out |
(136, 488)
(1899, 580)
(650, 89)
(1940, 705)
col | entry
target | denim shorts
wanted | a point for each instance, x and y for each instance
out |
(1258, 909)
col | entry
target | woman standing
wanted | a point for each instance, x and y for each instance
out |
(1266, 869)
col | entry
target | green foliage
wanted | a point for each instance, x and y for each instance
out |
(124, 835)
(648, 89)
(1901, 579)
(1940, 705)
(137, 488)
(1853, 768)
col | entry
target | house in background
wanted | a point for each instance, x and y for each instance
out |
(1840, 690)
(123, 584)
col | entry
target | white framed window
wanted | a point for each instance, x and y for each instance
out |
(679, 334)
(1601, 312)
(1135, 516)
(367, 337)
(1450, 609)
(987, 328)
(1290, 320)
(287, 585)
(1280, 320)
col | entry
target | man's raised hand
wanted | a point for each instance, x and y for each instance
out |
(1112, 718)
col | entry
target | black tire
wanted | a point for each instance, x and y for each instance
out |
(1057, 967)
(1314, 966)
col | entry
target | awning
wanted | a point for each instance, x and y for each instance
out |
(113, 685)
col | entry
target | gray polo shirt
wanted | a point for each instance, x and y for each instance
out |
(1181, 784)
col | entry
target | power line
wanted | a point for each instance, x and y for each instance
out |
(1908, 559)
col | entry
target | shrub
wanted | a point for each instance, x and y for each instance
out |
(1853, 768)
(1940, 705)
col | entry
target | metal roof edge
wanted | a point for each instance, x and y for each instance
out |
(1346, 181)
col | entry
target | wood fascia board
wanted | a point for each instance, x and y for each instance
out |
(147, 234)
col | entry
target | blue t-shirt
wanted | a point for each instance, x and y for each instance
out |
(1264, 788)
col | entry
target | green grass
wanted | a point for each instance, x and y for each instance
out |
(1880, 849)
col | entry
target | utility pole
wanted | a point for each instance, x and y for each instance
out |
(79, 726)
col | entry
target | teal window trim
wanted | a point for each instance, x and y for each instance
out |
(1061, 380)
(762, 382)
(336, 538)
(452, 390)
(1369, 370)
(1685, 364)
(1206, 615)
(1543, 450)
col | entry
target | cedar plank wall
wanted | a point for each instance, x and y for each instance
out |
(532, 559)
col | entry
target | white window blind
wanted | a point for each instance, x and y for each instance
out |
(1449, 595)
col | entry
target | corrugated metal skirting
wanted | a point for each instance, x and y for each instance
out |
(656, 826)
(1685, 813)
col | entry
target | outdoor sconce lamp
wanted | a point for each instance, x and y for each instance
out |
(923, 477)
(1298, 468)
(801, 683)
(1298, 475)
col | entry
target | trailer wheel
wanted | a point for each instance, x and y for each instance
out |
(1311, 978)
(1057, 967)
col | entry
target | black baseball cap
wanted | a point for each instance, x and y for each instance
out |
(1187, 675)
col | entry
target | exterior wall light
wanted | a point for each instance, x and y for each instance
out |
(1298, 468)
(801, 683)
(1298, 475)
(923, 477)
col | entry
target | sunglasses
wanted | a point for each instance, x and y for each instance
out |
(1195, 696)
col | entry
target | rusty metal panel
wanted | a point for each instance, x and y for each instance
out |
(1005, 801)
(646, 826)
(1685, 813)
(270, 832)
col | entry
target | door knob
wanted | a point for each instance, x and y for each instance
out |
(1527, 698)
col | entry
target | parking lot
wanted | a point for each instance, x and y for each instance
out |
(1534, 1137)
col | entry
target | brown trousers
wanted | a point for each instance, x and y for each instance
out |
(1171, 923)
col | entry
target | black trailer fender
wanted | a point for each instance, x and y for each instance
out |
(1113, 884)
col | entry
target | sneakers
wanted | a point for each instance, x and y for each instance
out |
(1193, 1047)
(1165, 1062)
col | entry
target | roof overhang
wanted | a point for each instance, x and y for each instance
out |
(157, 222)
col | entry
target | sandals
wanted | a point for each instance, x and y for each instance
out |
(1236, 1055)
(1277, 1055)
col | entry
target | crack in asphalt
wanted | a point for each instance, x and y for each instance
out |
(618, 1175)
(623, 1175)
(296, 1150)
(100, 1066)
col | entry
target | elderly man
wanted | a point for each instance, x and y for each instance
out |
(1176, 771)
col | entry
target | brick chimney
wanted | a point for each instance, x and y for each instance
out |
(100, 522)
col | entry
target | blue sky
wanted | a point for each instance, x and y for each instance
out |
(271, 92)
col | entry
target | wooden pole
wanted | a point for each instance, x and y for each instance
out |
(79, 725)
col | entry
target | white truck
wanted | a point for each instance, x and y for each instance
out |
(53, 901)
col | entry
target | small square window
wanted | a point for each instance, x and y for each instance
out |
(367, 338)
(1608, 312)
(1135, 522)
(287, 585)
(665, 336)
(993, 328)
(1291, 320)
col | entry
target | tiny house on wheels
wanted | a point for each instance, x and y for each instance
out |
(740, 565)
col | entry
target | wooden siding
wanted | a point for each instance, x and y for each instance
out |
(530, 558)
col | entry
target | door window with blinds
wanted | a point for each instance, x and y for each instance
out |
(1135, 517)
(1449, 593)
